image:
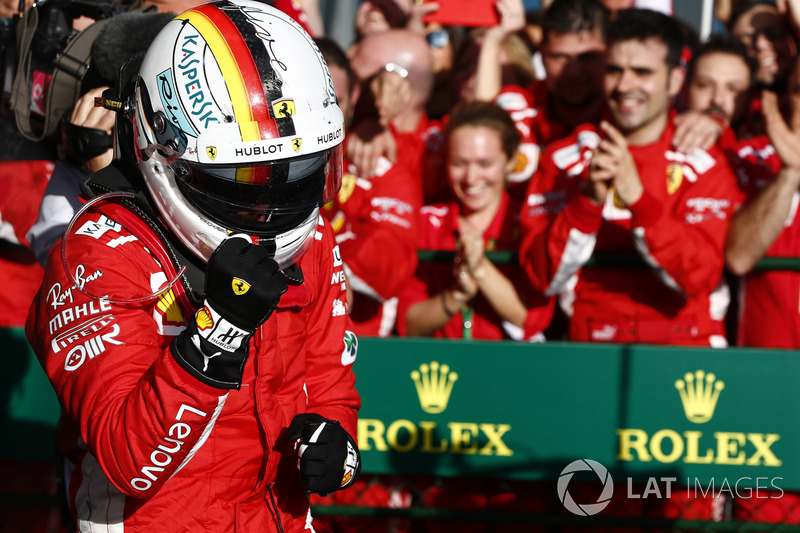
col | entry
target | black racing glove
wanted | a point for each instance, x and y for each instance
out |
(327, 456)
(243, 286)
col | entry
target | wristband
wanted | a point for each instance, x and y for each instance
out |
(212, 349)
(444, 305)
(218, 331)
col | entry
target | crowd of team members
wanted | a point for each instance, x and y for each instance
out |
(637, 179)
(669, 164)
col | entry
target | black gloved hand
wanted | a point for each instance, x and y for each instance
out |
(243, 283)
(327, 456)
(243, 286)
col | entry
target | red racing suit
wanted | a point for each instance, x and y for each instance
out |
(22, 185)
(439, 229)
(435, 185)
(770, 300)
(769, 312)
(528, 108)
(678, 227)
(148, 446)
(375, 222)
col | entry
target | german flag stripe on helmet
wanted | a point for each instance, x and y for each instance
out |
(270, 81)
(234, 54)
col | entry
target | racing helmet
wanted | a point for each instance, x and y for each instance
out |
(236, 128)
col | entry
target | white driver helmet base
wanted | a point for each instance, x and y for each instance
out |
(233, 97)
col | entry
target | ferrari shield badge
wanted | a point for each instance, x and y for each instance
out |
(348, 186)
(674, 178)
(240, 286)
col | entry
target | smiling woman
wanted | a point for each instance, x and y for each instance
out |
(473, 298)
(769, 39)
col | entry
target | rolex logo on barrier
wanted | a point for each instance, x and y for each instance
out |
(434, 384)
(698, 395)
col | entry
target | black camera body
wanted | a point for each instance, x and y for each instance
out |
(52, 33)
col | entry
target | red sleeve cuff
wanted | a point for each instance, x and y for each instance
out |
(185, 379)
(584, 215)
(539, 317)
(646, 211)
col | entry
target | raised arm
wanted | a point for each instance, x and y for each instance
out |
(562, 213)
(488, 78)
(759, 222)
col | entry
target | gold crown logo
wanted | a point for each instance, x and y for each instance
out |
(699, 394)
(434, 384)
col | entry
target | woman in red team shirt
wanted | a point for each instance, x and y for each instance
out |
(473, 298)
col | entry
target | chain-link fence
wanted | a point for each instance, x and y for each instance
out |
(410, 504)
(28, 500)
(416, 504)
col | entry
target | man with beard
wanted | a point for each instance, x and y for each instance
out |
(718, 94)
(621, 187)
(767, 225)
(768, 171)
(573, 51)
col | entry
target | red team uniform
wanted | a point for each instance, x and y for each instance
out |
(769, 313)
(770, 300)
(678, 227)
(135, 421)
(375, 222)
(22, 185)
(439, 229)
(528, 108)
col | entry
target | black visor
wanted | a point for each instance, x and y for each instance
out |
(265, 198)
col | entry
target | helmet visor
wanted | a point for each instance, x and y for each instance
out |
(265, 198)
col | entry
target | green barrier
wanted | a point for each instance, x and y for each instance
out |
(525, 411)
(28, 406)
(522, 411)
